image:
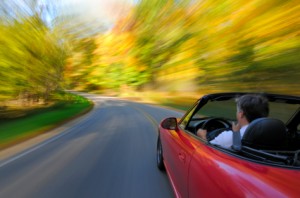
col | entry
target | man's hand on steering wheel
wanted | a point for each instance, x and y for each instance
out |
(208, 131)
(202, 133)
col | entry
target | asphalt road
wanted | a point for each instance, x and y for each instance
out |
(109, 153)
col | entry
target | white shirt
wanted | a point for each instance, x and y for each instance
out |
(225, 138)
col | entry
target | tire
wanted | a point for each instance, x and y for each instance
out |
(159, 156)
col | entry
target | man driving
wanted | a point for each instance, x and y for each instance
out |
(249, 108)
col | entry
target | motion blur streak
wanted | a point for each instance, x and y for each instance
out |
(32, 55)
(161, 45)
(208, 45)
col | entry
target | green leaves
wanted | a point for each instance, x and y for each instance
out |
(32, 58)
(217, 45)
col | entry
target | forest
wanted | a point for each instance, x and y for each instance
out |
(173, 46)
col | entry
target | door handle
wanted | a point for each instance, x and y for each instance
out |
(181, 156)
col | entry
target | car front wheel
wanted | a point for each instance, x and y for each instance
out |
(159, 156)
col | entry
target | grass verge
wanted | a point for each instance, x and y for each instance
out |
(40, 120)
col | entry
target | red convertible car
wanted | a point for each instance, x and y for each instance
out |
(267, 164)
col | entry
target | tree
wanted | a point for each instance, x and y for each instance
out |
(32, 55)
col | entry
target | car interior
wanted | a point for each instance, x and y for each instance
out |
(268, 140)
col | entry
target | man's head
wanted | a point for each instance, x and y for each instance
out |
(252, 107)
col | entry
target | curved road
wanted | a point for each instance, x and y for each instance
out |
(109, 153)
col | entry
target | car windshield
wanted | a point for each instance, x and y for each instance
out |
(227, 109)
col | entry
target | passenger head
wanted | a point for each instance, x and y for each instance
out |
(253, 106)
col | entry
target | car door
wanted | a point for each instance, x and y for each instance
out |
(215, 172)
(178, 152)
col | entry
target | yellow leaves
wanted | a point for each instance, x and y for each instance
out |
(275, 47)
(183, 72)
(279, 22)
(114, 44)
(215, 39)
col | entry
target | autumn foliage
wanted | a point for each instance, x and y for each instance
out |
(161, 45)
(211, 45)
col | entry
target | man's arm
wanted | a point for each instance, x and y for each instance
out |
(236, 127)
(224, 139)
(236, 137)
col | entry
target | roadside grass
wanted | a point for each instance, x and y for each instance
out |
(40, 120)
(18, 125)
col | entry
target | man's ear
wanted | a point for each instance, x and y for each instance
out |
(241, 114)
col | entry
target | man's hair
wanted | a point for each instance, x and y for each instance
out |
(253, 106)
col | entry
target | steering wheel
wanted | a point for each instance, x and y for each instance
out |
(215, 123)
(214, 127)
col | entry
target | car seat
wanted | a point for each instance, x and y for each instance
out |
(265, 134)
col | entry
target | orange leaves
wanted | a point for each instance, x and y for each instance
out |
(201, 43)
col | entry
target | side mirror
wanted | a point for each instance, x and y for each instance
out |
(169, 123)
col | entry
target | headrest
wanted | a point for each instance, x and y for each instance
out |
(265, 133)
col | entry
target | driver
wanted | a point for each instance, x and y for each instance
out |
(249, 108)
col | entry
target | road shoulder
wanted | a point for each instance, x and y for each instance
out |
(32, 142)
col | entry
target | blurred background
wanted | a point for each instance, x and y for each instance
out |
(149, 48)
